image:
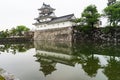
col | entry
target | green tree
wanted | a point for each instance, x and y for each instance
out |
(91, 15)
(4, 34)
(21, 29)
(13, 32)
(112, 12)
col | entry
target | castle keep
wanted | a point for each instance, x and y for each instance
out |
(51, 27)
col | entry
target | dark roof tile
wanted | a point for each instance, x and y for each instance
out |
(62, 18)
(58, 19)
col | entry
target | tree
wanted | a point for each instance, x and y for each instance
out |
(91, 15)
(18, 31)
(21, 29)
(112, 12)
(4, 34)
(13, 32)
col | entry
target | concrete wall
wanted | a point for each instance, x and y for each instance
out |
(57, 34)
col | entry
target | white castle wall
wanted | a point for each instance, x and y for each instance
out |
(54, 25)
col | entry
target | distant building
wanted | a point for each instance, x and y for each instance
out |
(51, 27)
(110, 2)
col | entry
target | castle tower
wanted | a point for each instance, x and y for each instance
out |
(46, 13)
(50, 27)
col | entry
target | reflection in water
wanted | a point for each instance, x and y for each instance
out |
(15, 47)
(84, 61)
(91, 66)
(112, 70)
(49, 54)
(47, 67)
(87, 55)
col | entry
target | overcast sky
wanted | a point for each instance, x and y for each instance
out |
(23, 12)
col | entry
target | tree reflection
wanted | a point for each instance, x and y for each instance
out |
(112, 70)
(91, 65)
(47, 68)
(86, 54)
(47, 65)
(15, 47)
(89, 62)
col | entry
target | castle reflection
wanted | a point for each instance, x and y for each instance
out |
(48, 54)
(51, 53)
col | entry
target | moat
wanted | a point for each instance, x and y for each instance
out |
(41, 60)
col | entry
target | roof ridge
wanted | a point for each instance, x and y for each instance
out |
(65, 15)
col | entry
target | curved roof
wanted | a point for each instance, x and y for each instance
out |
(58, 19)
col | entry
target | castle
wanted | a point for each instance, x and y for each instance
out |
(51, 27)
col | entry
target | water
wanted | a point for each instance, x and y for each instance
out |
(61, 61)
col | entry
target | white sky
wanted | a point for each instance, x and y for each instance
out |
(23, 12)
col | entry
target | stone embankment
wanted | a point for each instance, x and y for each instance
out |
(99, 35)
(58, 34)
(109, 34)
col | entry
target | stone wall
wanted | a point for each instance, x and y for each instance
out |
(58, 34)
(109, 34)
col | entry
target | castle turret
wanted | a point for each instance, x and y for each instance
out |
(46, 13)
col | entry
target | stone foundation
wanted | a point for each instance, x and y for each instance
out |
(58, 34)
(108, 34)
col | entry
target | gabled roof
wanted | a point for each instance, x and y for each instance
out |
(58, 19)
